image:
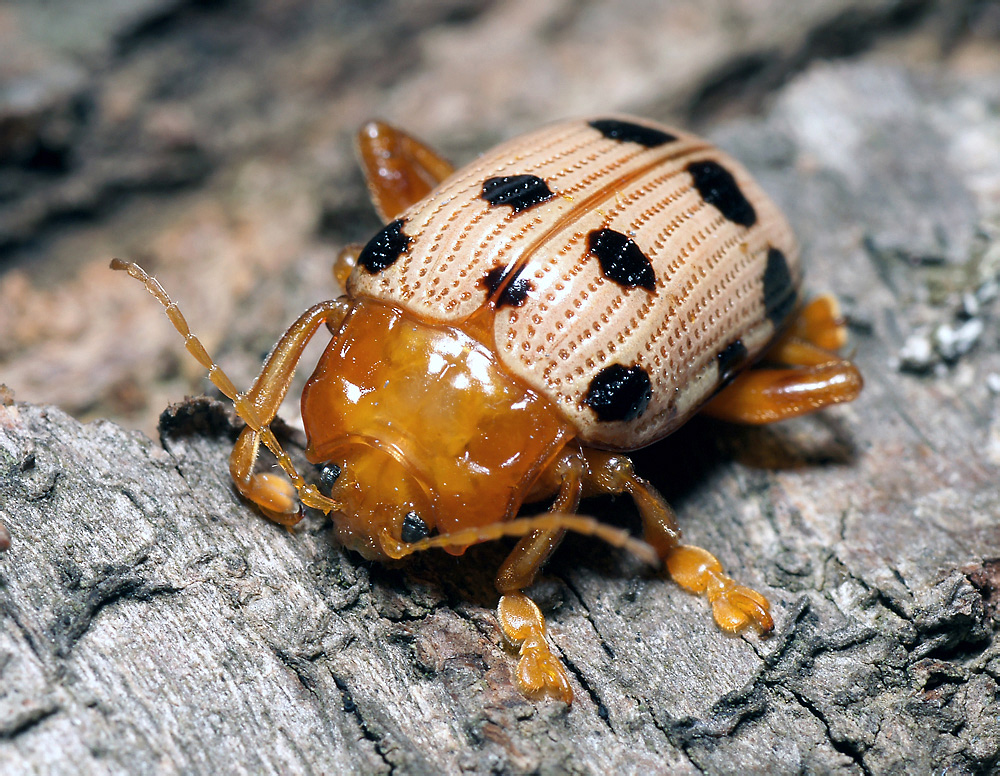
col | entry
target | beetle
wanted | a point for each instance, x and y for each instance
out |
(515, 329)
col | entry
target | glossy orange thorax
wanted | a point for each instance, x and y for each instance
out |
(422, 417)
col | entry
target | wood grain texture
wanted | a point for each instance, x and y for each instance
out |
(151, 622)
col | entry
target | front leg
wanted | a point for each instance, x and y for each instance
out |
(538, 669)
(579, 473)
(274, 495)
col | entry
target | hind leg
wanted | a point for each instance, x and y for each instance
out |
(813, 376)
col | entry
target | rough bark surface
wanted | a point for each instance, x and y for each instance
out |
(150, 621)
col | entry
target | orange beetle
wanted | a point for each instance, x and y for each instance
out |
(572, 294)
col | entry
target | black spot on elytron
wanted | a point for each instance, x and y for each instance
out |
(384, 248)
(627, 132)
(519, 191)
(491, 280)
(731, 359)
(619, 393)
(513, 288)
(514, 293)
(780, 295)
(718, 187)
(414, 528)
(621, 259)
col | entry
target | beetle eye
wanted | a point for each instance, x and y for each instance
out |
(327, 477)
(414, 528)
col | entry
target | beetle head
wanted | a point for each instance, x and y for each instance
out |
(380, 497)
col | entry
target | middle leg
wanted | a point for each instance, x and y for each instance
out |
(398, 168)
(734, 606)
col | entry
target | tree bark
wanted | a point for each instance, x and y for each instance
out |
(151, 621)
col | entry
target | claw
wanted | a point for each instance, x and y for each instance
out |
(276, 498)
(539, 671)
(738, 607)
(734, 606)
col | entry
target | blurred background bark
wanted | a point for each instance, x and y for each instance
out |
(151, 621)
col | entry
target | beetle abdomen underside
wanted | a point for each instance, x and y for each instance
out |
(630, 269)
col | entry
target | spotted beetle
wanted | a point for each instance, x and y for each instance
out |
(516, 327)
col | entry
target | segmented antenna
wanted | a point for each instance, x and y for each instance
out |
(308, 494)
(521, 526)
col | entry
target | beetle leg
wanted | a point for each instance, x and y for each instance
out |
(759, 396)
(398, 168)
(257, 407)
(763, 395)
(816, 377)
(272, 494)
(522, 623)
(821, 323)
(734, 606)
(530, 554)
(538, 669)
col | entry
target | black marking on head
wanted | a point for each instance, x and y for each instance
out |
(621, 259)
(384, 248)
(519, 191)
(731, 359)
(619, 393)
(627, 132)
(327, 477)
(718, 187)
(414, 528)
(780, 295)
(513, 288)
